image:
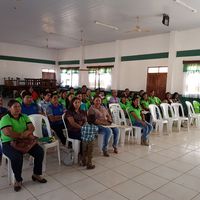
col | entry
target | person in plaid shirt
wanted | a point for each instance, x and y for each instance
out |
(88, 134)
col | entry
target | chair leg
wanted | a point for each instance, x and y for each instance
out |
(122, 136)
(44, 160)
(179, 125)
(58, 151)
(138, 135)
(76, 148)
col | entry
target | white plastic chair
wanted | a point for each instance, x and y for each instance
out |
(157, 118)
(118, 117)
(192, 115)
(37, 121)
(137, 130)
(75, 143)
(177, 107)
(166, 111)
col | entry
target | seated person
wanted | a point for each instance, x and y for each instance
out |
(54, 113)
(46, 102)
(86, 101)
(127, 93)
(153, 99)
(104, 119)
(137, 119)
(144, 103)
(16, 125)
(124, 103)
(168, 98)
(114, 98)
(75, 118)
(28, 106)
(83, 104)
(63, 98)
(175, 98)
(70, 96)
(3, 110)
(34, 94)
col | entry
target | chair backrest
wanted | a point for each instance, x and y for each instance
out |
(38, 121)
(66, 131)
(167, 111)
(129, 115)
(190, 108)
(155, 112)
(111, 105)
(178, 110)
(118, 115)
(196, 105)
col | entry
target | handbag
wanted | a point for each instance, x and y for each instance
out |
(23, 145)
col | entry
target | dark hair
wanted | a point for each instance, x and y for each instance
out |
(11, 102)
(54, 94)
(174, 95)
(96, 96)
(91, 119)
(71, 107)
(46, 92)
(26, 94)
(143, 95)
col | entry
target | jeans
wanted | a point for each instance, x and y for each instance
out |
(107, 135)
(16, 158)
(146, 130)
(87, 151)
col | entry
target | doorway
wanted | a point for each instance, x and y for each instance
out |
(157, 81)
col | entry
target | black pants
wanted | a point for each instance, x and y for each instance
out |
(16, 158)
(58, 128)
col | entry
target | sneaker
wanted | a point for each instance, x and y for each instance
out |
(105, 153)
(115, 150)
(90, 166)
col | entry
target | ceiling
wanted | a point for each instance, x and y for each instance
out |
(58, 23)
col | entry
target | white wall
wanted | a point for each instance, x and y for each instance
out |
(22, 70)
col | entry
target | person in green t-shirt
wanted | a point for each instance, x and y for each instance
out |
(16, 126)
(63, 98)
(137, 119)
(124, 102)
(153, 99)
(144, 102)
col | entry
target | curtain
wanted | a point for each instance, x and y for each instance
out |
(191, 80)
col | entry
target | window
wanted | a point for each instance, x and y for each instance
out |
(70, 77)
(100, 77)
(191, 81)
(48, 74)
(157, 69)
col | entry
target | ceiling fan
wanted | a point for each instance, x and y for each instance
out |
(138, 28)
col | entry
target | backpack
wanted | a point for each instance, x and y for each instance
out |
(68, 157)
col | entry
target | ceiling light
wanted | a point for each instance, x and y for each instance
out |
(106, 25)
(186, 6)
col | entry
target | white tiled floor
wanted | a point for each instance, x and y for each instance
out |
(167, 170)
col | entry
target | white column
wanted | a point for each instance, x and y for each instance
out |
(171, 62)
(116, 69)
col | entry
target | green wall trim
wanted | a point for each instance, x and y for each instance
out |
(145, 56)
(194, 52)
(69, 62)
(99, 60)
(22, 59)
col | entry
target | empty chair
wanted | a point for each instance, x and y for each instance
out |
(157, 118)
(37, 121)
(168, 114)
(118, 117)
(192, 115)
(179, 113)
(137, 130)
(75, 143)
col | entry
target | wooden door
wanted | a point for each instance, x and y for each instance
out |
(48, 75)
(157, 82)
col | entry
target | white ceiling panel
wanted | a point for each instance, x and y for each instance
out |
(58, 23)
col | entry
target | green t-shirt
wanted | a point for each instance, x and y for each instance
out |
(18, 125)
(154, 100)
(137, 112)
(124, 106)
(62, 102)
(144, 104)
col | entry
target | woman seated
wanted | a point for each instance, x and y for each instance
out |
(16, 126)
(75, 118)
(104, 119)
(168, 98)
(175, 98)
(114, 98)
(54, 113)
(137, 119)
(153, 99)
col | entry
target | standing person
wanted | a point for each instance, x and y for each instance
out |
(104, 119)
(88, 133)
(14, 126)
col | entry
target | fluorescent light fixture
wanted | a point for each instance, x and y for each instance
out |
(186, 6)
(106, 25)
